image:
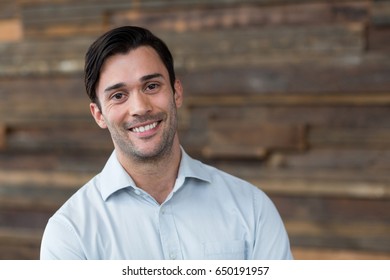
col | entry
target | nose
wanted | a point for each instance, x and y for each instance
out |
(139, 104)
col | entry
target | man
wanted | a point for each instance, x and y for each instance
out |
(151, 200)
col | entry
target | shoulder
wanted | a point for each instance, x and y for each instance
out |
(226, 182)
(223, 186)
(61, 238)
(220, 175)
(86, 196)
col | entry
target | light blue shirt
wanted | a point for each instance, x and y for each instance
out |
(208, 215)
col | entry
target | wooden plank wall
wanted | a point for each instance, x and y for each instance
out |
(291, 95)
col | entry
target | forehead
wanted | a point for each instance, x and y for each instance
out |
(131, 66)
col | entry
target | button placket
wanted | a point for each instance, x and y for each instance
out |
(168, 234)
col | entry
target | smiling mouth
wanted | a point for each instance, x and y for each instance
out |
(144, 128)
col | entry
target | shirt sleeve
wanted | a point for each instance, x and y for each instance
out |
(271, 240)
(60, 242)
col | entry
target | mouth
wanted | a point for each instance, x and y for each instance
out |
(145, 127)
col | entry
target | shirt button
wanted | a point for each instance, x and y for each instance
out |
(172, 256)
(137, 192)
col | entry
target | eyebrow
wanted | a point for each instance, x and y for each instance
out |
(151, 76)
(113, 87)
(142, 79)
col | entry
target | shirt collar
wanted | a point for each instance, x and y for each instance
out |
(191, 168)
(114, 177)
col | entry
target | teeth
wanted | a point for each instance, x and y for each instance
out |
(141, 129)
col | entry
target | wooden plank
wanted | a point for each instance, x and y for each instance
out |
(380, 13)
(75, 18)
(63, 18)
(379, 39)
(31, 218)
(359, 224)
(65, 57)
(79, 161)
(368, 99)
(43, 99)
(81, 27)
(63, 180)
(19, 252)
(265, 41)
(196, 49)
(9, 9)
(350, 137)
(371, 160)
(165, 3)
(304, 77)
(37, 191)
(203, 110)
(59, 136)
(334, 115)
(312, 253)
(321, 188)
(318, 167)
(3, 136)
(337, 210)
(205, 17)
(351, 11)
(339, 176)
(251, 139)
(40, 193)
(22, 244)
(49, 49)
(336, 174)
(357, 236)
(17, 236)
(231, 151)
(32, 204)
(11, 30)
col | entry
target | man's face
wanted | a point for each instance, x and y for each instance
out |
(138, 105)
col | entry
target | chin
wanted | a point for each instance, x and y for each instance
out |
(149, 154)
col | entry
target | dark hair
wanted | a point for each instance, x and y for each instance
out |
(121, 40)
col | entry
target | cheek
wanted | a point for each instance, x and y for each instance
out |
(115, 114)
(111, 121)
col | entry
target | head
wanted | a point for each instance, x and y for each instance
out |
(121, 40)
(130, 79)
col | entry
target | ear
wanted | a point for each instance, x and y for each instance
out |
(178, 93)
(97, 115)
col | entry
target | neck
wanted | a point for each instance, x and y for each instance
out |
(157, 177)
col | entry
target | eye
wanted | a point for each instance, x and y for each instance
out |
(117, 96)
(152, 87)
